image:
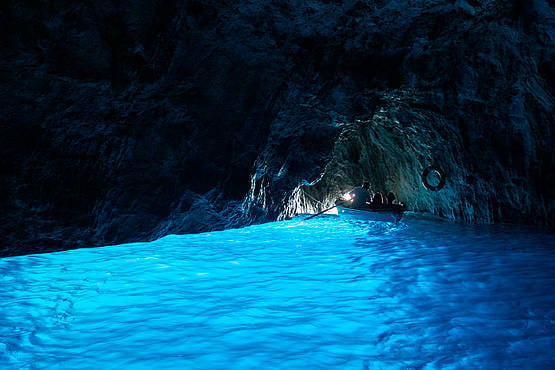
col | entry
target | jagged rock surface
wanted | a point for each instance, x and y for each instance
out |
(128, 120)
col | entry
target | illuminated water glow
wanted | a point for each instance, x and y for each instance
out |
(318, 294)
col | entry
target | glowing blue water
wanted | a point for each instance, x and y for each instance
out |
(315, 294)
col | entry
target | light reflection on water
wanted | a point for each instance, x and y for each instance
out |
(320, 294)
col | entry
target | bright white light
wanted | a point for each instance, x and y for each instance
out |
(347, 196)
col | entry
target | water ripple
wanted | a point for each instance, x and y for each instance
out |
(321, 294)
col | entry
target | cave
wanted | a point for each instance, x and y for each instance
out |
(277, 184)
(119, 120)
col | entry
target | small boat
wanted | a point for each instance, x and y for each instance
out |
(392, 213)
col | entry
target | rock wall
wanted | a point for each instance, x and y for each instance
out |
(127, 120)
(465, 86)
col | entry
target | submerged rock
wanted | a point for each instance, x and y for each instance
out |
(128, 121)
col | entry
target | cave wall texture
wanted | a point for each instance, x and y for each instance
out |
(128, 120)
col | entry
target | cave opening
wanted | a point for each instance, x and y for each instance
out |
(391, 150)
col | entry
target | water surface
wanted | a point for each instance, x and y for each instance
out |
(322, 293)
